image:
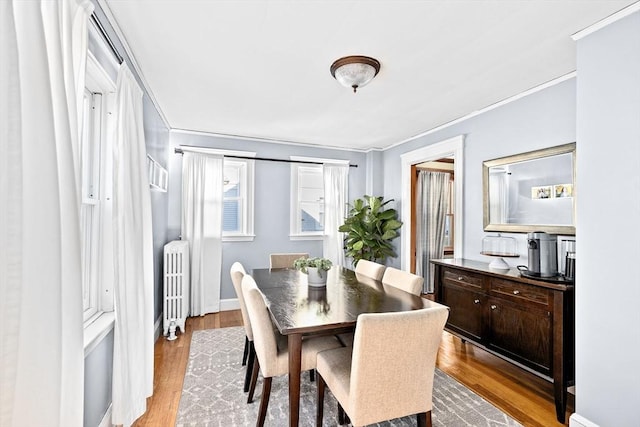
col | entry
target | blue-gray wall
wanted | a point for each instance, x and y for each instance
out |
(540, 120)
(272, 198)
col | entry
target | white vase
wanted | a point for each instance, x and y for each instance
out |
(316, 277)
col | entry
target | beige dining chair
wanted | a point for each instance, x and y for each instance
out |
(389, 372)
(370, 269)
(249, 354)
(404, 280)
(285, 260)
(272, 355)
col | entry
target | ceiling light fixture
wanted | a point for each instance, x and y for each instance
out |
(355, 71)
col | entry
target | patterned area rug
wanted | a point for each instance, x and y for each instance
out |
(212, 393)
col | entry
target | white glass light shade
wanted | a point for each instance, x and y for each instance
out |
(355, 71)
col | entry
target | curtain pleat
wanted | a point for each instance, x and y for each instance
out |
(431, 208)
(43, 45)
(336, 185)
(133, 256)
(202, 192)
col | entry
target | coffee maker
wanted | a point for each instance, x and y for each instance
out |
(543, 258)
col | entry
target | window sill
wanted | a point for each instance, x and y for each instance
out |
(97, 329)
(306, 237)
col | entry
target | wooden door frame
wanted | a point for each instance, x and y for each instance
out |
(450, 147)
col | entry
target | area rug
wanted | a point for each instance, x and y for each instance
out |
(212, 393)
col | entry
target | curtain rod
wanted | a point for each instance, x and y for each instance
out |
(179, 150)
(106, 38)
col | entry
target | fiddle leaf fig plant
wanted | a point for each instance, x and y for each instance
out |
(369, 229)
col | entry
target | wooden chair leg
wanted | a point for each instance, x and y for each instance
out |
(424, 419)
(312, 375)
(251, 359)
(341, 417)
(254, 380)
(264, 401)
(245, 353)
(320, 407)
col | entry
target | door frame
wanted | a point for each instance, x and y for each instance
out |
(449, 147)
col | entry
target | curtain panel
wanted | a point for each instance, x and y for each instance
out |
(43, 45)
(202, 193)
(432, 196)
(336, 187)
(133, 258)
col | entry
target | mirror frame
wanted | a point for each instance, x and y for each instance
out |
(528, 228)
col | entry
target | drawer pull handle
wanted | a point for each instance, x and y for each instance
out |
(516, 292)
(461, 278)
(493, 306)
(476, 301)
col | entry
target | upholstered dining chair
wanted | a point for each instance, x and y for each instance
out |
(404, 280)
(389, 372)
(370, 269)
(285, 260)
(249, 354)
(272, 355)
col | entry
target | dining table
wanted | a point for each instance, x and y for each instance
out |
(299, 309)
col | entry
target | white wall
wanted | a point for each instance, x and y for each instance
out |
(608, 214)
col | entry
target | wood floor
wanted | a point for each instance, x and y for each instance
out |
(522, 395)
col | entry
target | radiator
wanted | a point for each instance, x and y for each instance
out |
(176, 286)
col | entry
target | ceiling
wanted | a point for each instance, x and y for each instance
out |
(260, 68)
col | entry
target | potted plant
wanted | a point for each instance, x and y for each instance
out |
(315, 268)
(369, 229)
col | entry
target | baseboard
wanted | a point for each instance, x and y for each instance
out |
(229, 304)
(106, 420)
(579, 421)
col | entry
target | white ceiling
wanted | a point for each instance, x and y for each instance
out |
(261, 68)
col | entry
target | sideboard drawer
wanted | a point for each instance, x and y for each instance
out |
(520, 291)
(462, 278)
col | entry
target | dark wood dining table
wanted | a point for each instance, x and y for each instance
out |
(298, 309)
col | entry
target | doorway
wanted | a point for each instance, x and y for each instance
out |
(452, 149)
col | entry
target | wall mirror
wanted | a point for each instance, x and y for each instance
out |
(531, 191)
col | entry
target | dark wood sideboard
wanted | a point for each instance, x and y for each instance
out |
(525, 321)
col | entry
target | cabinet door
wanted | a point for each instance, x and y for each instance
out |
(522, 333)
(465, 310)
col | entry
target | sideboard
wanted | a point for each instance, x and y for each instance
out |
(528, 322)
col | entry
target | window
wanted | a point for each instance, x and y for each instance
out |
(307, 201)
(96, 171)
(237, 216)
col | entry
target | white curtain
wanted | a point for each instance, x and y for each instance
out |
(202, 191)
(43, 47)
(498, 196)
(336, 187)
(432, 200)
(133, 256)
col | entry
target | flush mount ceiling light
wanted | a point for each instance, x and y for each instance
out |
(355, 71)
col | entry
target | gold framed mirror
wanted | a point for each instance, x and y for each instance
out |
(533, 191)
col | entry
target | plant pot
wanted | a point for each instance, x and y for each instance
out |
(316, 277)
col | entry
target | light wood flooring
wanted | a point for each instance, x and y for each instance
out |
(524, 396)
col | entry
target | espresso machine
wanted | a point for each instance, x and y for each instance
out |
(543, 254)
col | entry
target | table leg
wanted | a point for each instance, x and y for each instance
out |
(295, 360)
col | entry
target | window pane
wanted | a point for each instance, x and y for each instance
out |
(311, 217)
(231, 216)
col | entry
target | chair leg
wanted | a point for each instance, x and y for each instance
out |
(264, 401)
(424, 419)
(254, 380)
(245, 353)
(312, 375)
(250, 361)
(320, 406)
(341, 417)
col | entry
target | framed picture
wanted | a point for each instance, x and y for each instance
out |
(563, 190)
(543, 192)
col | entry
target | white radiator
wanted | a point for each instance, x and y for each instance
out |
(176, 286)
